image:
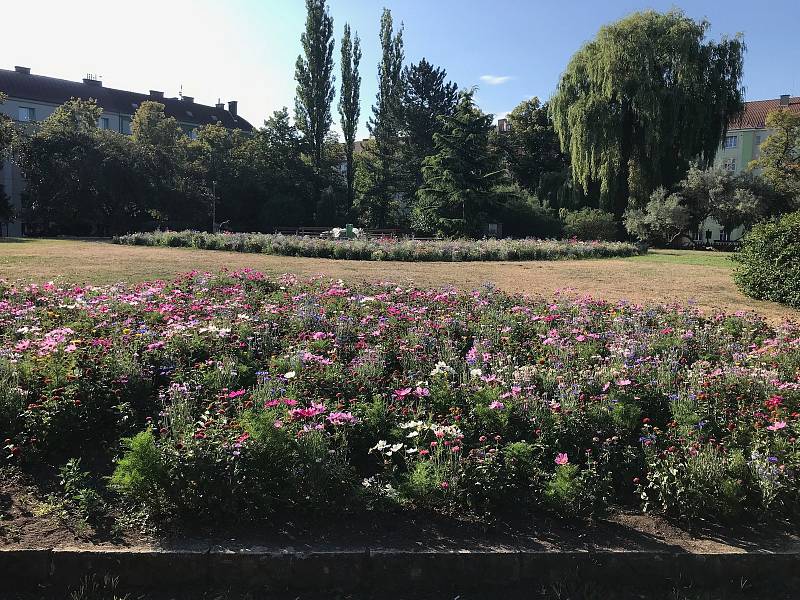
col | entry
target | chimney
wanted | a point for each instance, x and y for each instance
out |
(232, 107)
(92, 80)
(188, 99)
(23, 70)
(220, 106)
(784, 100)
(156, 94)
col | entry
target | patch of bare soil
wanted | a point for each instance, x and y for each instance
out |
(31, 519)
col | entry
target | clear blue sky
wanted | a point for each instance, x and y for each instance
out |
(246, 49)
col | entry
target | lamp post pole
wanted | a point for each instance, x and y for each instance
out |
(214, 206)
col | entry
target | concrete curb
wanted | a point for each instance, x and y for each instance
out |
(386, 570)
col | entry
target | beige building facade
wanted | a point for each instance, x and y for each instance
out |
(33, 98)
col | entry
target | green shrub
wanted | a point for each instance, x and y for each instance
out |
(575, 492)
(140, 472)
(769, 261)
(590, 224)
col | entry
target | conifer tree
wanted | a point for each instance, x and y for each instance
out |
(427, 95)
(459, 180)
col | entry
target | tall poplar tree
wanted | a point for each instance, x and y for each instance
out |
(381, 173)
(644, 99)
(315, 87)
(349, 101)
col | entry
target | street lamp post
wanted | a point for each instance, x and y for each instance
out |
(214, 206)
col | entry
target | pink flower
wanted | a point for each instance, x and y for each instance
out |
(777, 425)
(236, 394)
(403, 392)
(497, 405)
(341, 418)
(624, 382)
(562, 458)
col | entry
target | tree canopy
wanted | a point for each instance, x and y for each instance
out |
(779, 159)
(458, 191)
(642, 100)
(533, 154)
(380, 176)
(350, 102)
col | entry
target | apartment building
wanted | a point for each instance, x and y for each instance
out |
(34, 97)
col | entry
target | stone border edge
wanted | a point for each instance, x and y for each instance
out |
(387, 570)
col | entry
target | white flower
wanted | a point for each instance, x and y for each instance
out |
(443, 367)
(475, 372)
(290, 375)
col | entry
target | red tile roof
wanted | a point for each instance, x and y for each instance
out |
(755, 113)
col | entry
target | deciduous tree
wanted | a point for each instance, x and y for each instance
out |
(315, 88)
(642, 100)
(379, 181)
(780, 152)
(350, 102)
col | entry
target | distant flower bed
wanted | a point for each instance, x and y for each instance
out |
(401, 249)
(233, 395)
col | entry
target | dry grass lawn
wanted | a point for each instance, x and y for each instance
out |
(665, 276)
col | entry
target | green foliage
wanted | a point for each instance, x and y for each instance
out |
(590, 224)
(779, 154)
(533, 155)
(154, 129)
(427, 96)
(642, 100)
(574, 492)
(408, 250)
(349, 103)
(733, 200)
(662, 220)
(315, 80)
(768, 265)
(78, 493)
(522, 215)
(140, 472)
(7, 130)
(459, 192)
(380, 172)
(704, 483)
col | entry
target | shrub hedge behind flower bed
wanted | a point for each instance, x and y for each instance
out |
(232, 396)
(384, 248)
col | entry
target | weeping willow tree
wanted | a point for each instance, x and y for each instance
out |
(647, 97)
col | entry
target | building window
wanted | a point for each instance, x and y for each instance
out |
(192, 133)
(104, 123)
(27, 114)
(730, 141)
(724, 235)
(729, 165)
(125, 125)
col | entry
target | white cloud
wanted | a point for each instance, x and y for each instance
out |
(495, 79)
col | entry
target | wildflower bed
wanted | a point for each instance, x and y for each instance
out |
(232, 396)
(391, 249)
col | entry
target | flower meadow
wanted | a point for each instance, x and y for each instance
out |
(387, 248)
(234, 396)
